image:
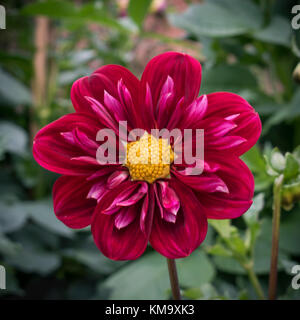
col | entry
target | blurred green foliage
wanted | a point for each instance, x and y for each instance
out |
(248, 47)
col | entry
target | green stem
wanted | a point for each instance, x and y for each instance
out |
(174, 279)
(255, 283)
(275, 236)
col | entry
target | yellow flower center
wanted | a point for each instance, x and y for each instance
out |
(149, 158)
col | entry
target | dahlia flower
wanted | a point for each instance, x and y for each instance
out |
(131, 204)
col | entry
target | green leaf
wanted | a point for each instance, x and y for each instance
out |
(278, 117)
(296, 153)
(232, 78)
(32, 260)
(219, 18)
(137, 10)
(33, 236)
(8, 247)
(204, 292)
(42, 213)
(60, 9)
(291, 169)
(236, 243)
(147, 278)
(277, 32)
(51, 8)
(262, 250)
(228, 265)
(223, 227)
(262, 254)
(12, 217)
(27, 170)
(188, 269)
(89, 255)
(13, 139)
(289, 233)
(254, 160)
(12, 91)
(219, 250)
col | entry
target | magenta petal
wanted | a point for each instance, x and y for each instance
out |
(125, 217)
(233, 107)
(216, 127)
(183, 69)
(180, 239)
(147, 212)
(126, 243)
(240, 183)
(103, 171)
(70, 202)
(169, 198)
(97, 191)
(53, 151)
(105, 78)
(138, 195)
(123, 195)
(194, 113)
(206, 183)
(148, 119)
(225, 143)
(132, 113)
(114, 106)
(174, 120)
(116, 178)
(103, 115)
(165, 214)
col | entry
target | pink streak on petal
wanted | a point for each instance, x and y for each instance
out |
(207, 183)
(116, 178)
(125, 217)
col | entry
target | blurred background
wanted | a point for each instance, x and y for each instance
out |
(246, 47)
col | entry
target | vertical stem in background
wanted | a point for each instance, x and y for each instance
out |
(39, 85)
(39, 92)
(174, 279)
(275, 236)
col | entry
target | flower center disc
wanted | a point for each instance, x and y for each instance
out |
(149, 158)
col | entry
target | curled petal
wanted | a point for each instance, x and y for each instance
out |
(97, 191)
(125, 217)
(168, 201)
(116, 178)
(127, 197)
(135, 197)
